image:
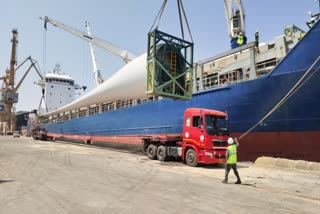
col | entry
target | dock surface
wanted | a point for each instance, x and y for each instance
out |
(54, 177)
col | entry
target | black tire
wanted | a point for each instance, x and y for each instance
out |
(162, 153)
(191, 158)
(152, 152)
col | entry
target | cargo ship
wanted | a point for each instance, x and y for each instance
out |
(247, 83)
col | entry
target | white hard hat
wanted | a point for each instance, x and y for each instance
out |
(230, 140)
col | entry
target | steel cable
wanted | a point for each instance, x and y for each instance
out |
(293, 90)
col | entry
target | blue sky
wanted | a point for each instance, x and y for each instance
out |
(126, 24)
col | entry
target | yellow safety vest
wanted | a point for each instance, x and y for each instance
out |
(232, 150)
(240, 40)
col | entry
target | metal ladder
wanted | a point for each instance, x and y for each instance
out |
(173, 66)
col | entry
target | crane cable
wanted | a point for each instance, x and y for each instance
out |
(180, 10)
(44, 51)
(44, 58)
(293, 90)
(179, 2)
(159, 15)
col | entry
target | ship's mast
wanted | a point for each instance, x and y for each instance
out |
(96, 71)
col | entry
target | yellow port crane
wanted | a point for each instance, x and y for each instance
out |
(8, 91)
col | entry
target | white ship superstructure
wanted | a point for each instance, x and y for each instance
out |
(59, 90)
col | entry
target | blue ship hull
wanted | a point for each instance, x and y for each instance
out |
(291, 131)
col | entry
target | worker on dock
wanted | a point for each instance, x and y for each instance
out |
(232, 160)
(256, 39)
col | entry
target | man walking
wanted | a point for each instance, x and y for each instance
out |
(232, 160)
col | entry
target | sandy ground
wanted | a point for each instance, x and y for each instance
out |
(50, 177)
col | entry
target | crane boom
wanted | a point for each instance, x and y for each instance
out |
(96, 71)
(235, 18)
(33, 64)
(124, 54)
(13, 60)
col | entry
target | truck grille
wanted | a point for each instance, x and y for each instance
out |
(221, 143)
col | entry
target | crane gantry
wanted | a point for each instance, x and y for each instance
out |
(235, 21)
(9, 91)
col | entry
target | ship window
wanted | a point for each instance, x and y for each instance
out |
(50, 80)
(68, 88)
(271, 46)
(52, 86)
(188, 121)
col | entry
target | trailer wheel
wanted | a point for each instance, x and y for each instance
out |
(152, 152)
(162, 153)
(191, 158)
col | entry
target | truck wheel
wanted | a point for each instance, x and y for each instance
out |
(191, 158)
(152, 152)
(162, 153)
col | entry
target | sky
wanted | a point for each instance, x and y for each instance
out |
(125, 23)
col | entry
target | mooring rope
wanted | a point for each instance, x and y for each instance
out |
(293, 90)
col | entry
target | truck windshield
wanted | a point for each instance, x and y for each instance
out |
(216, 125)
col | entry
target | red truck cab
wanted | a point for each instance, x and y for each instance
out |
(205, 135)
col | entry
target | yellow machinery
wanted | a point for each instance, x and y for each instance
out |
(8, 92)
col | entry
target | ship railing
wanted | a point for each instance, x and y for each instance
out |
(74, 115)
(215, 79)
(266, 66)
(109, 106)
(83, 113)
(99, 108)
(66, 117)
(93, 110)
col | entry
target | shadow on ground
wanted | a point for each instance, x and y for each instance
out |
(4, 181)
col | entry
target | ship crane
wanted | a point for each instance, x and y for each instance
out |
(96, 71)
(124, 54)
(235, 20)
